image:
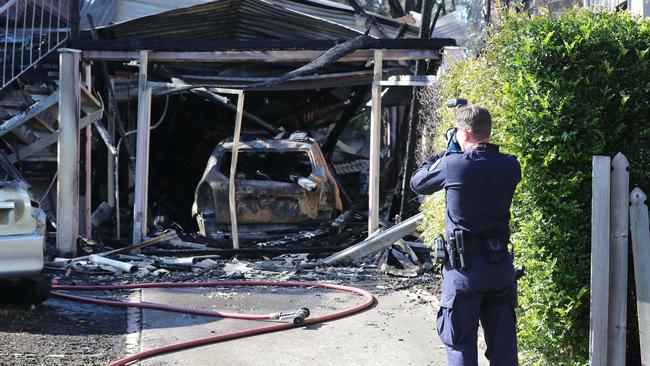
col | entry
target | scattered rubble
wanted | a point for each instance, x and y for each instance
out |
(401, 265)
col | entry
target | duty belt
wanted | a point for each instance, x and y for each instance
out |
(475, 245)
(461, 245)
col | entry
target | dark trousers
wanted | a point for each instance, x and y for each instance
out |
(484, 292)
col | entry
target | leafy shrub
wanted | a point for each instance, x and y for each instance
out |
(560, 90)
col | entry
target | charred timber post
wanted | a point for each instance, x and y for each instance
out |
(375, 137)
(142, 152)
(88, 162)
(114, 115)
(117, 116)
(115, 122)
(67, 190)
(233, 170)
(74, 19)
(111, 164)
(414, 114)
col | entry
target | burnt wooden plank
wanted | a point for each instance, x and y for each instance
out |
(254, 45)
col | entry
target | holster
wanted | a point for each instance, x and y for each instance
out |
(495, 250)
(440, 250)
(461, 249)
(453, 254)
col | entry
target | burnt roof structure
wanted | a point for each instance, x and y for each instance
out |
(233, 19)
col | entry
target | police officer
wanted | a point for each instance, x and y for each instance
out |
(478, 275)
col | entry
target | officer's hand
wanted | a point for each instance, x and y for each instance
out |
(452, 143)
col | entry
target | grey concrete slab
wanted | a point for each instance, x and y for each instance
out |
(399, 329)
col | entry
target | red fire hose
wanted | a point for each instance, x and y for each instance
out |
(367, 297)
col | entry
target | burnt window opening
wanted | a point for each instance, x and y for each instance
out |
(277, 166)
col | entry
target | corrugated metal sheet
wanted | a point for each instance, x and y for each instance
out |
(132, 9)
(230, 19)
(342, 14)
(106, 12)
(452, 26)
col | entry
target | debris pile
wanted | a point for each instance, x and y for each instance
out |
(402, 260)
(406, 263)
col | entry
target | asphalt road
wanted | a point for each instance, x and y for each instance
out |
(60, 332)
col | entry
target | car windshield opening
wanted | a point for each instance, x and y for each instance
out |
(278, 166)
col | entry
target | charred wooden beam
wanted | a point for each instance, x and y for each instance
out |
(320, 81)
(257, 45)
(329, 57)
(371, 21)
(262, 56)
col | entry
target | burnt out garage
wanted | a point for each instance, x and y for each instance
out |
(304, 71)
(305, 133)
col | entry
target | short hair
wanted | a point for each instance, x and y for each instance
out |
(476, 120)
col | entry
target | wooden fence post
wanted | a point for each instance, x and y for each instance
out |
(618, 247)
(601, 166)
(641, 255)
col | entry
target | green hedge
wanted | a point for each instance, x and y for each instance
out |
(560, 90)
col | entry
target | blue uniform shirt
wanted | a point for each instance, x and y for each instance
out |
(479, 186)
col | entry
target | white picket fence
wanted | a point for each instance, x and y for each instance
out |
(614, 213)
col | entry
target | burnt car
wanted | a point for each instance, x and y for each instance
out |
(281, 185)
(22, 239)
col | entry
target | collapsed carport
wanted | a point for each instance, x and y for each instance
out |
(297, 72)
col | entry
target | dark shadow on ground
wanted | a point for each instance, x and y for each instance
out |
(61, 317)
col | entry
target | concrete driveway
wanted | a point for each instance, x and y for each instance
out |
(399, 329)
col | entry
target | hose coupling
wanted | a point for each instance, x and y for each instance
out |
(297, 317)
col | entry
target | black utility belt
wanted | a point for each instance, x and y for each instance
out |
(477, 245)
(461, 245)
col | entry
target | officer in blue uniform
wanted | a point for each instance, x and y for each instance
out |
(478, 275)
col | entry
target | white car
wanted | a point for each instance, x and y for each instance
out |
(22, 239)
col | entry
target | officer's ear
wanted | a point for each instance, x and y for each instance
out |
(463, 135)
